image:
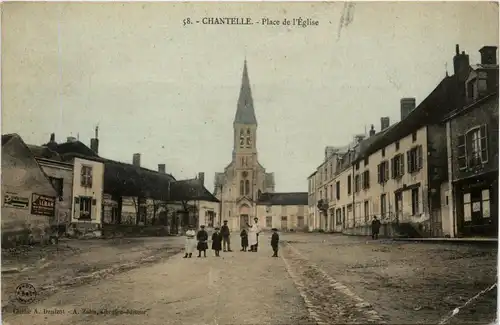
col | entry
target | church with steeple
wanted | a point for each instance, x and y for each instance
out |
(239, 186)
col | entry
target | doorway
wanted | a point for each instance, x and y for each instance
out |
(284, 223)
(243, 221)
(398, 205)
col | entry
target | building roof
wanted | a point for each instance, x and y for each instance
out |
(293, 198)
(126, 179)
(192, 189)
(245, 113)
(462, 110)
(480, 66)
(44, 152)
(75, 147)
(313, 173)
(443, 99)
(6, 138)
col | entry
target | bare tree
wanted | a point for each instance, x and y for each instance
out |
(157, 205)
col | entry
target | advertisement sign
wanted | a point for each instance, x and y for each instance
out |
(43, 205)
(12, 200)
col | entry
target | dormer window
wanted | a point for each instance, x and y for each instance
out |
(471, 89)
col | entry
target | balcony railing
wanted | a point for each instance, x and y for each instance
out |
(323, 204)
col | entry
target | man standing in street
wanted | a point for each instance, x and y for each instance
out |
(375, 227)
(226, 241)
(253, 235)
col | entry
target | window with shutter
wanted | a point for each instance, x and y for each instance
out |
(85, 208)
(484, 143)
(356, 183)
(408, 159)
(379, 173)
(86, 176)
(393, 167)
(366, 179)
(475, 147)
(420, 158)
(401, 165)
(386, 171)
(462, 152)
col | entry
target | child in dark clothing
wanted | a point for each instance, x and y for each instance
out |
(275, 240)
(244, 240)
(216, 241)
(202, 237)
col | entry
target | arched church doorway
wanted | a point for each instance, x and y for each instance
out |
(244, 215)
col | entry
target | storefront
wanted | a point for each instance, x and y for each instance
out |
(477, 205)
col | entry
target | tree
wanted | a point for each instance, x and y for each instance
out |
(138, 205)
(157, 205)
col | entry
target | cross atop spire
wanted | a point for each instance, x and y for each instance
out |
(245, 113)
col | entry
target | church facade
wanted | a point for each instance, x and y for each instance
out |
(244, 178)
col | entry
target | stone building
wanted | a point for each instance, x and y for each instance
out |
(285, 211)
(60, 175)
(29, 201)
(124, 197)
(313, 218)
(472, 134)
(400, 174)
(237, 187)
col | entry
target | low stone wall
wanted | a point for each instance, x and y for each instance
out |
(23, 228)
(134, 231)
(13, 238)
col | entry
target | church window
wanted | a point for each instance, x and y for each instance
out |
(247, 187)
(242, 189)
(249, 138)
(242, 138)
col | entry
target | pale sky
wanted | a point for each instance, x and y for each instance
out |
(170, 92)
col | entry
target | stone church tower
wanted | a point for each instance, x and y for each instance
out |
(244, 178)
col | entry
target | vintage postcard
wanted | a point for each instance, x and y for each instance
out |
(350, 147)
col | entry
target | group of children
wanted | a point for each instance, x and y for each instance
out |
(217, 238)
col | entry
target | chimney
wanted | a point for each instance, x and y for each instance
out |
(201, 178)
(488, 55)
(384, 123)
(329, 151)
(407, 105)
(358, 138)
(161, 168)
(372, 131)
(136, 159)
(461, 64)
(94, 142)
(94, 145)
(52, 138)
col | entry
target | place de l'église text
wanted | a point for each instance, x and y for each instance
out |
(242, 21)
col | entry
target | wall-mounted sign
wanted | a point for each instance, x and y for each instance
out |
(12, 200)
(43, 205)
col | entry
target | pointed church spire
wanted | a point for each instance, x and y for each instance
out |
(245, 113)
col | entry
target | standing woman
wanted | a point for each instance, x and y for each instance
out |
(253, 234)
(190, 242)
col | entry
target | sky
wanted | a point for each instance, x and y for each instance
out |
(169, 91)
